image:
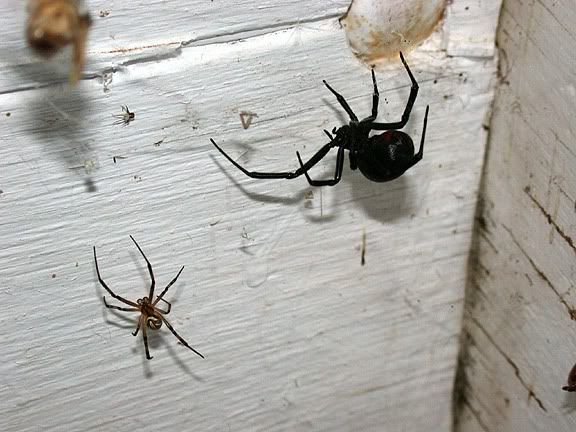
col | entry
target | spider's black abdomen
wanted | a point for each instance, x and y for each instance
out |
(386, 156)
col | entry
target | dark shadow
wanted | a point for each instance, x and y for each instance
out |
(385, 202)
(55, 118)
(569, 404)
(341, 116)
(37, 73)
(131, 317)
(183, 365)
(264, 198)
(320, 197)
(156, 339)
(145, 363)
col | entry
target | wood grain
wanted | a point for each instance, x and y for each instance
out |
(519, 321)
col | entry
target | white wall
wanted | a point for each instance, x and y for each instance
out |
(297, 334)
(519, 325)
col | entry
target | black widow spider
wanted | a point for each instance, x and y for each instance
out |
(380, 158)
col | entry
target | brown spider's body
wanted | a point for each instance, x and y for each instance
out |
(55, 24)
(150, 313)
(151, 316)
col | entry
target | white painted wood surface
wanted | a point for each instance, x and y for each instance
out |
(298, 336)
(519, 321)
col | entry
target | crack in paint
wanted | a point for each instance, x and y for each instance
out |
(529, 388)
(566, 237)
(571, 310)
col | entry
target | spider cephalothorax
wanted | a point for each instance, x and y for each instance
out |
(380, 158)
(151, 316)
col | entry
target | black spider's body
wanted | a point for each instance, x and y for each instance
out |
(379, 158)
(390, 155)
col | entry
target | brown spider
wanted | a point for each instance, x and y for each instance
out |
(151, 316)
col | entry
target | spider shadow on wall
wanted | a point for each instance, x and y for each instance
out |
(156, 340)
(58, 115)
(385, 202)
(255, 196)
(569, 404)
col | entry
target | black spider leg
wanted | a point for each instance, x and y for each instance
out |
(342, 102)
(116, 296)
(153, 284)
(165, 290)
(179, 337)
(279, 175)
(375, 101)
(418, 156)
(337, 172)
(409, 105)
(145, 337)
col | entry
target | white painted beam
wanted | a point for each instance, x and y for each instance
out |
(297, 334)
(519, 321)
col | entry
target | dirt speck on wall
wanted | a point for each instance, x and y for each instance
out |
(379, 29)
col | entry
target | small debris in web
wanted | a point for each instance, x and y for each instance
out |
(246, 118)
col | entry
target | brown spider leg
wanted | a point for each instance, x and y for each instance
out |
(119, 308)
(337, 172)
(153, 284)
(166, 289)
(179, 337)
(145, 337)
(116, 296)
(165, 312)
(138, 326)
(342, 102)
(407, 110)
